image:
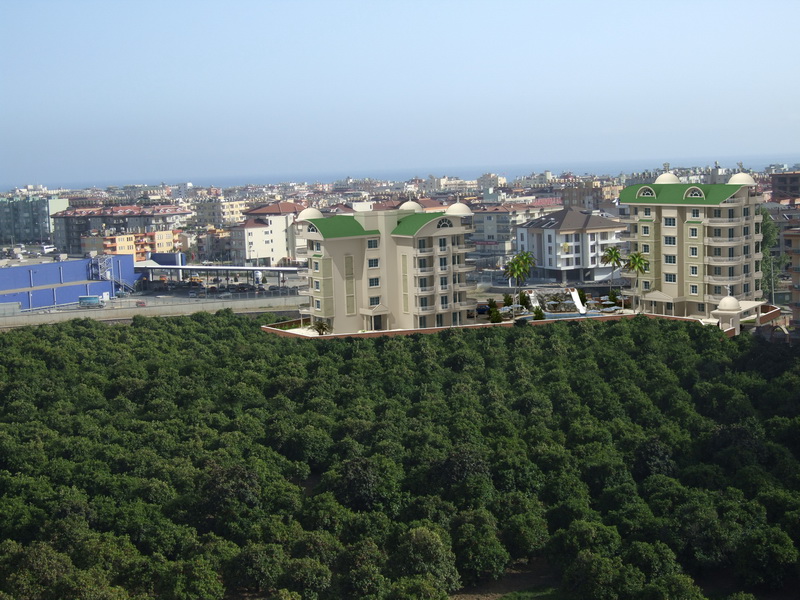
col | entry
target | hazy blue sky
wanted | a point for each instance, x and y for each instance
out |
(144, 91)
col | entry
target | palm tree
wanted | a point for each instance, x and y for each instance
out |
(613, 257)
(321, 327)
(518, 269)
(638, 264)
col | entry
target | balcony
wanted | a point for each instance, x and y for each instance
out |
(428, 289)
(425, 309)
(465, 248)
(423, 270)
(423, 251)
(723, 241)
(733, 201)
(758, 218)
(723, 260)
(626, 235)
(465, 286)
(442, 249)
(722, 221)
(468, 304)
(723, 280)
(463, 268)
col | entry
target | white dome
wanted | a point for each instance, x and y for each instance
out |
(741, 179)
(729, 303)
(667, 178)
(411, 205)
(309, 213)
(458, 209)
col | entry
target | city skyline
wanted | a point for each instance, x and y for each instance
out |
(142, 92)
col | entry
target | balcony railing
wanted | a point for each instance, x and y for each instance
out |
(466, 304)
(463, 268)
(428, 289)
(723, 280)
(721, 221)
(723, 260)
(716, 241)
(465, 247)
(424, 251)
(425, 309)
(423, 270)
(465, 286)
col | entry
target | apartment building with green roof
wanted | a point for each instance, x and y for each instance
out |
(388, 269)
(702, 243)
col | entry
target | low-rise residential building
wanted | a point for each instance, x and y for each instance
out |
(391, 269)
(140, 245)
(793, 249)
(28, 218)
(217, 211)
(568, 245)
(74, 223)
(495, 229)
(702, 243)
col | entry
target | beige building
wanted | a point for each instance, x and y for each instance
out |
(793, 235)
(702, 241)
(390, 269)
(217, 211)
(140, 245)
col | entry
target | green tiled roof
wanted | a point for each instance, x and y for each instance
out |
(673, 193)
(340, 226)
(413, 223)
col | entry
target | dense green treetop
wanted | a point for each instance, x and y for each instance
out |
(195, 457)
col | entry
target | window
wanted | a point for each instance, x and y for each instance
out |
(693, 270)
(311, 229)
(717, 289)
(645, 285)
(645, 230)
(316, 265)
(444, 223)
(695, 213)
(444, 301)
(701, 307)
(692, 250)
(693, 232)
(670, 259)
(669, 221)
(746, 288)
(693, 290)
(645, 248)
(372, 243)
(423, 321)
(442, 243)
(745, 230)
(317, 304)
(440, 320)
(646, 212)
(745, 269)
(443, 282)
(423, 302)
(372, 263)
(374, 300)
(316, 284)
(669, 240)
(717, 213)
(746, 211)
(374, 281)
(443, 262)
(670, 278)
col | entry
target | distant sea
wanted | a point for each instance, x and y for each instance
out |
(609, 167)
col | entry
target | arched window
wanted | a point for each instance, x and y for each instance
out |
(444, 223)
(312, 229)
(694, 193)
(647, 192)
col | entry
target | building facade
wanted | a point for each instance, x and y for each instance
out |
(702, 243)
(390, 269)
(72, 224)
(568, 245)
(25, 219)
(140, 245)
(793, 250)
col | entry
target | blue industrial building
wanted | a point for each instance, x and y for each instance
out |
(33, 286)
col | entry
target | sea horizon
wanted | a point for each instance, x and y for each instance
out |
(511, 172)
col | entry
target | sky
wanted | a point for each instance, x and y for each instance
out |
(140, 91)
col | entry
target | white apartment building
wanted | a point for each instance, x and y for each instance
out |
(495, 229)
(390, 269)
(702, 241)
(568, 245)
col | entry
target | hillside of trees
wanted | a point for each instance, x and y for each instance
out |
(198, 457)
